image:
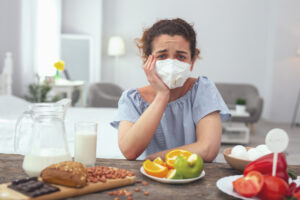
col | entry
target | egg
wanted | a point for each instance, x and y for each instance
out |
(254, 154)
(239, 151)
(263, 149)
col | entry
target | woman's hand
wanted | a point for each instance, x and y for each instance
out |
(157, 84)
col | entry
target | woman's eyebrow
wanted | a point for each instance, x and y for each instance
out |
(161, 51)
(184, 52)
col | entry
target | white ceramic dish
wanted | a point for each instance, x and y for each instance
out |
(172, 181)
(225, 185)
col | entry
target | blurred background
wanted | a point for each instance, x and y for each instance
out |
(248, 41)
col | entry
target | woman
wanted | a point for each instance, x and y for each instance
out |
(175, 110)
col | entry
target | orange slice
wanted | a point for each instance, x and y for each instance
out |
(172, 155)
(155, 169)
(159, 161)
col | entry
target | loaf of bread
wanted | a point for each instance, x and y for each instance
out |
(68, 173)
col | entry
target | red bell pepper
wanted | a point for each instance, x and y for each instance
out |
(264, 165)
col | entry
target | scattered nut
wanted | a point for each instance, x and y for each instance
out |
(146, 193)
(101, 173)
(127, 193)
(145, 183)
(137, 189)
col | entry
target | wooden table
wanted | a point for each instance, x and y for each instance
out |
(11, 169)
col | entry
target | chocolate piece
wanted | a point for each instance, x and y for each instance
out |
(32, 187)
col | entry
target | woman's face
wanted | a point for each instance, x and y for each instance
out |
(172, 47)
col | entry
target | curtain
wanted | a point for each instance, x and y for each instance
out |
(40, 38)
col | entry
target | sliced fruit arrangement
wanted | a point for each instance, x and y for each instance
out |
(159, 161)
(258, 181)
(190, 167)
(180, 164)
(249, 185)
(155, 169)
(172, 155)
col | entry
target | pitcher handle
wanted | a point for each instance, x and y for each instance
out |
(17, 137)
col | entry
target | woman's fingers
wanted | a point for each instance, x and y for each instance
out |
(147, 62)
(151, 70)
(146, 65)
(152, 65)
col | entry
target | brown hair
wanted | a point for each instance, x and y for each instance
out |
(170, 27)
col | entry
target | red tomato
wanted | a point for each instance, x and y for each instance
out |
(274, 188)
(249, 185)
(297, 195)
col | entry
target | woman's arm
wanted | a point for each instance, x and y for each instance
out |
(135, 137)
(209, 133)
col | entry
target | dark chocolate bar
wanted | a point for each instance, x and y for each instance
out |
(32, 187)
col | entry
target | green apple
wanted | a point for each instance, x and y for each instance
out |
(173, 174)
(190, 168)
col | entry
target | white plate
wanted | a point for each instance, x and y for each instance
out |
(225, 185)
(172, 181)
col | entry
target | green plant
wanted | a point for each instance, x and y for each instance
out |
(240, 101)
(38, 92)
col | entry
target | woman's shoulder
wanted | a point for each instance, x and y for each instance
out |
(203, 83)
(130, 95)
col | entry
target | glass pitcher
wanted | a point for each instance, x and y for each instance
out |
(40, 135)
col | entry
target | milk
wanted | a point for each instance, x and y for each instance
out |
(35, 162)
(85, 147)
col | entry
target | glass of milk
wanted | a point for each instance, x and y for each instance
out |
(86, 143)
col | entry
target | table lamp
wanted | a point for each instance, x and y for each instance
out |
(116, 48)
(297, 102)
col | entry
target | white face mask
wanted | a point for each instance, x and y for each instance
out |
(173, 72)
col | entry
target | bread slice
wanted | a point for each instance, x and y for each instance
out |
(68, 173)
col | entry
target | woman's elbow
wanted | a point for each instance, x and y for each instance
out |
(129, 156)
(209, 153)
(128, 152)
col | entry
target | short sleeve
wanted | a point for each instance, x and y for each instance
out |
(207, 99)
(128, 108)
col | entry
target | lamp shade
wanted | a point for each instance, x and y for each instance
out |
(116, 46)
(298, 51)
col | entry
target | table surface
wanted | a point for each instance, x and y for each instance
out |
(205, 188)
(62, 83)
(236, 114)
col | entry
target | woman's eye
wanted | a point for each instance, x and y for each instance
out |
(181, 57)
(160, 56)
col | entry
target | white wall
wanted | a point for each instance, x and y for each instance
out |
(286, 71)
(85, 17)
(10, 39)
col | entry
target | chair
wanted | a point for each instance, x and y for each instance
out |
(254, 103)
(104, 94)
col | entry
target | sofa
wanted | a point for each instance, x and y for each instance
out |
(254, 102)
(104, 94)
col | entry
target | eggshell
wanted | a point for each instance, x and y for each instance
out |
(254, 154)
(239, 151)
(263, 149)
